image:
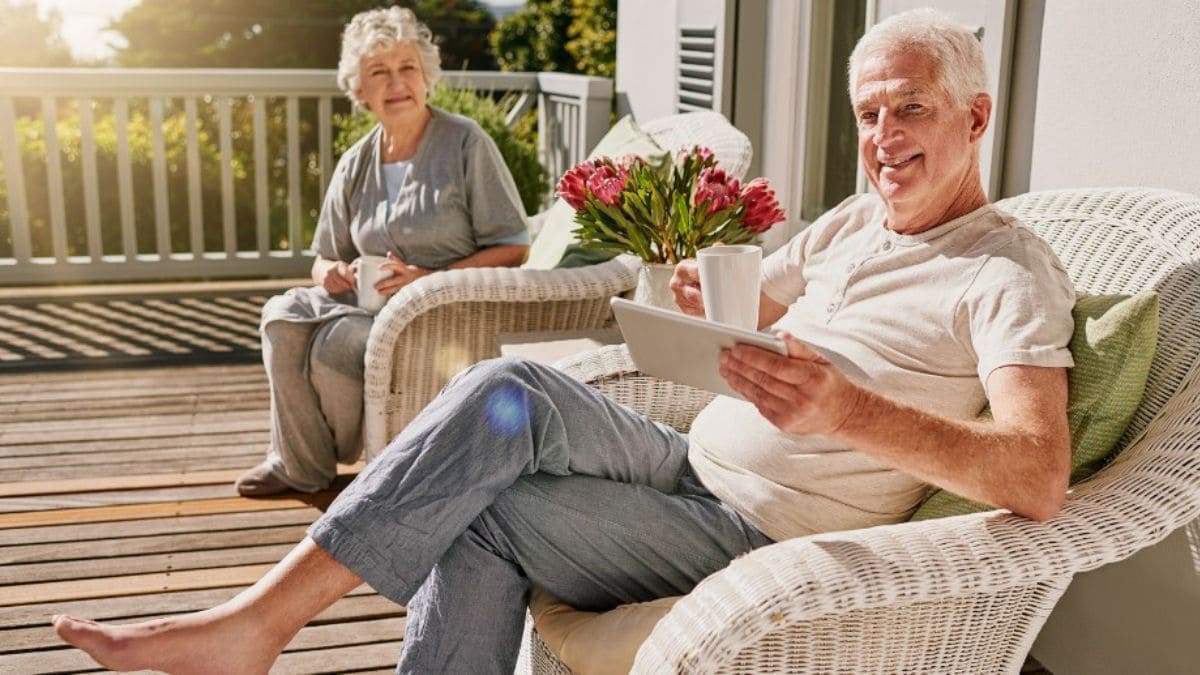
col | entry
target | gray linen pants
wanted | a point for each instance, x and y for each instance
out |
(518, 474)
(315, 372)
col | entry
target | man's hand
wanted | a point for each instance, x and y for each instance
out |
(403, 274)
(801, 393)
(685, 286)
(337, 277)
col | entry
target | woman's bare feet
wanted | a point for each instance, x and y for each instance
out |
(212, 641)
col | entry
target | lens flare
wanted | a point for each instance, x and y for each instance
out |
(507, 410)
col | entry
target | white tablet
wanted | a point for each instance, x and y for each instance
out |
(681, 348)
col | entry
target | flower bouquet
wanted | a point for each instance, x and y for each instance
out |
(665, 214)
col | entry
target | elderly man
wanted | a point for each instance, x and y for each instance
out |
(916, 306)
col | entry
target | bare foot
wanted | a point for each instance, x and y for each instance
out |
(212, 641)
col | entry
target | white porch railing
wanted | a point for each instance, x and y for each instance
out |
(185, 117)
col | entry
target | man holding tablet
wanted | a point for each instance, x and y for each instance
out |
(910, 310)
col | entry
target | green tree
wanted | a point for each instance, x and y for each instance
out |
(593, 33)
(273, 34)
(534, 38)
(569, 36)
(28, 39)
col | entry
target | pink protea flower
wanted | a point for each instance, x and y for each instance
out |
(608, 182)
(573, 187)
(629, 161)
(761, 208)
(717, 188)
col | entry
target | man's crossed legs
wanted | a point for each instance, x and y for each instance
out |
(515, 474)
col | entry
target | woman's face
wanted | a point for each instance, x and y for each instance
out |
(391, 82)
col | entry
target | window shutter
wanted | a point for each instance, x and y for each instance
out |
(705, 33)
(696, 81)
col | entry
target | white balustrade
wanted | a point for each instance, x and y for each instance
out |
(69, 246)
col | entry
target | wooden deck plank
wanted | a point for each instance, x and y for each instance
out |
(360, 602)
(236, 458)
(86, 390)
(81, 500)
(125, 547)
(16, 576)
(55, 487)
(134, 584)
(141, 425)
(340, 660)
(350, 633)
(335, 650)
(17, 539)
(103, 514)
(133, 482)
(366, 618)
(250, 398)
(158, 442)
(66, 382)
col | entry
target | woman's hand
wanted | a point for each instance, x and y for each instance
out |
(403, 274)
(685, 286)
(335, 276)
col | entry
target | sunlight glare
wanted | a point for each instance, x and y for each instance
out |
(507, 411)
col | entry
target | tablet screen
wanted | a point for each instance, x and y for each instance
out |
(681, 348)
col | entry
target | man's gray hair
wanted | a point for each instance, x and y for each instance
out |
(955, 51)
(381, 29)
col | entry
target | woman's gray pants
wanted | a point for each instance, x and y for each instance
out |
(316, 375)
(515, 474)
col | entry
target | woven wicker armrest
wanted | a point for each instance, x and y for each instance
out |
(441, 323)
(875, 600)
(612, 371)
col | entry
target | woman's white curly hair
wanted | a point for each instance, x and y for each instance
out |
(955, 51)
(381, 29)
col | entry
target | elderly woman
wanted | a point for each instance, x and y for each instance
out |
(425, 188)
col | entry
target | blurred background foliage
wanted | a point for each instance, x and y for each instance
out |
(30, 39)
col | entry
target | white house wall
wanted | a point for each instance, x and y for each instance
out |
(1117, 95)
(646, 58)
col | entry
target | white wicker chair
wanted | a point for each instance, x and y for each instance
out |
(966, 594)
(446, 321)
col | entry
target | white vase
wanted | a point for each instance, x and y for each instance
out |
(654, 286)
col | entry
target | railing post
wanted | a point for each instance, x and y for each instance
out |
(592, 99)
(594, 116)
(14, 174)
(54, 181)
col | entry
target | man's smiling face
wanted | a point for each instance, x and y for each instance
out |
(917, 146)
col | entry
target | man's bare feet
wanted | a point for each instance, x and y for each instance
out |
(212, 641)
(243, 635)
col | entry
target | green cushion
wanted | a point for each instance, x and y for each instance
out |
(1113, 344)
(555, 235)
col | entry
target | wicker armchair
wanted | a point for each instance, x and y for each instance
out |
(966, 594)
(446, 321)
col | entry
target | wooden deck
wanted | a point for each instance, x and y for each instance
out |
(117, 503)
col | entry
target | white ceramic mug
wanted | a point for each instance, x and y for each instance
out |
(369, 274)
(730, 280)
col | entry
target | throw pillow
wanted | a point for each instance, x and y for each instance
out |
(555, 235)
(1113, 344)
